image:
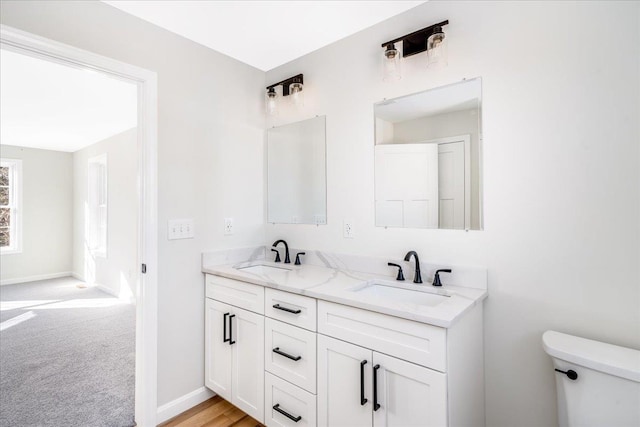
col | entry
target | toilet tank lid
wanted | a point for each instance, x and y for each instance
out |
(611, 359)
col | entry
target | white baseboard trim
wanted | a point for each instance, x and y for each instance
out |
(77, 276)
(35, 278)
(106, 289)
(183, 403)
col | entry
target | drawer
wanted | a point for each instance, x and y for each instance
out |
(289, 399)
(241, 294)
(415, 342)
(290, 353)
(287, 307)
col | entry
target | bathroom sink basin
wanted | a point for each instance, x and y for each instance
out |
(404, 295)
(264, 269)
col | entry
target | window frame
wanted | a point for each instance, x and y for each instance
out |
(98, 246)
(15, 206)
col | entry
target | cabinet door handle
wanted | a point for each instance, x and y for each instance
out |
(376, 405)
(231, 341)
(224, 327)
(363, 400)
(289, 310)
(288, 356)
(286, 414)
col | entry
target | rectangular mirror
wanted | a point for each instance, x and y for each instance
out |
(296, 173)
(427, 159)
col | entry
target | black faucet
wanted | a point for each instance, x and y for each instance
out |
(417, 278)
(286, 250)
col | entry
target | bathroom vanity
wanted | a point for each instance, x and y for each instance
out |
(326, 345)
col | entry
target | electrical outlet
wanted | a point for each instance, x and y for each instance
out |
(228, 226)
(347, 229)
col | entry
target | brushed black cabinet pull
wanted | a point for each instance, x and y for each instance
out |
(363, 400)
(290, 310)
(286, 414)
(288, 356)
(376, 405)
(231, 341)
(224, 327)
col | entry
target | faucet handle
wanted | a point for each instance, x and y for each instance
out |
(298, 257)
(436, 278)
(400, 275)
(277, 255)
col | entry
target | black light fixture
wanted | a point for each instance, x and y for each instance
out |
(430, 39)
(291, 86)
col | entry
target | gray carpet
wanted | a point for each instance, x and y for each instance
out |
(70, 361)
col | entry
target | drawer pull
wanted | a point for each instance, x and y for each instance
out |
(289, 310)
(286, 414)
(376, 405)
(363, 400)
(224, 328)
(288, 356)
(231, 341)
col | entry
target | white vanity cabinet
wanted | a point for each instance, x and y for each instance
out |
(234, 344)
(379, 370)
(361, 387)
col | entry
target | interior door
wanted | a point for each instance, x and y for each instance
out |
(408, 395)
(344, 384)
(406, 185)
(247, 337)
(218, 352)
(451, 185)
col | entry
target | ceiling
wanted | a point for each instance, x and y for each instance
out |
(446, 99)
(264, 34)
(51, 106)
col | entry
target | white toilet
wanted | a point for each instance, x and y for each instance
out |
(598, 384)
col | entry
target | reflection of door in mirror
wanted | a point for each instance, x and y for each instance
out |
(423, 185)
(427, 159)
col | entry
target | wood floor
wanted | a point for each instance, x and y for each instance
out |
(215, 412)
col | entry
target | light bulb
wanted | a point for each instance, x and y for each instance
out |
(295, 90)
(272, 105)
(437, 48)
(391, 64)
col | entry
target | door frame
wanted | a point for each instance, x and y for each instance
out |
(147, 146)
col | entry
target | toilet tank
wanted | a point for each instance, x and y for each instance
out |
(607, 389)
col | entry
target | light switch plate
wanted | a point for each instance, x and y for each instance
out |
(180, 229)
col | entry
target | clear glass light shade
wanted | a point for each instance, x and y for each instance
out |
(297, 97)
(272, 104)
(391, 64)
(437, 50)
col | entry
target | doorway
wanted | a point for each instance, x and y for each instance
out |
(143, 275)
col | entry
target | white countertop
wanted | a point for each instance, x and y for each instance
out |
(337, 285)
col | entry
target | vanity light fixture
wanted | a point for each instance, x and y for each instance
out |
(291, 86)
(430, 39)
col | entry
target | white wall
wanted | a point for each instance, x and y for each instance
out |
(561, 174)
(210, 157)
(47, 192)
(118, 270)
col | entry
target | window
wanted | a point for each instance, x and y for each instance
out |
(97, 205)
(10, 212)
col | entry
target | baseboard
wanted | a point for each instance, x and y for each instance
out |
(183, 403)
(106, 289)
(35, 278)
(77, 276)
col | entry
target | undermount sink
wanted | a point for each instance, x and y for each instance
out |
(402, 294)
(263, 269)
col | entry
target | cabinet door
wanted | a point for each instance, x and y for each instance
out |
(341, 385)
(217, 352)
(408, 394)
(247, 335)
